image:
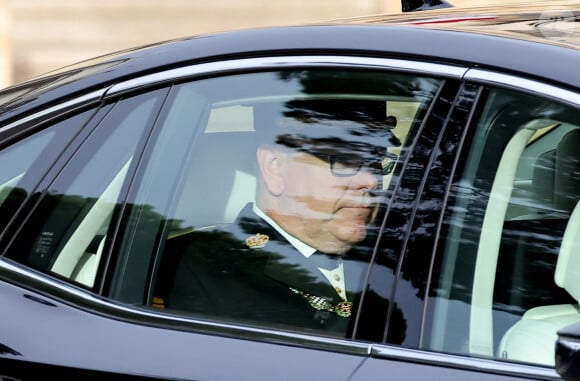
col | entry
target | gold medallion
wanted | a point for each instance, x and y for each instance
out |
(257, 241)
(343, 309)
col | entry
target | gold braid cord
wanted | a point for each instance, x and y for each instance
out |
(343, 309)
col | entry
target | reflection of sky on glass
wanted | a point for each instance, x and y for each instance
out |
(17, 158)
(119, 146)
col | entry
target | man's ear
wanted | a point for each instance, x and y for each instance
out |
(271, 162)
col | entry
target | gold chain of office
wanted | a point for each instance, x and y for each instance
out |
(343, 309)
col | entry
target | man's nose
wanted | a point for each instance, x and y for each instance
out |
(366, 178)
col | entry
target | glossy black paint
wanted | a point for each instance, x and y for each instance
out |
(187, 356)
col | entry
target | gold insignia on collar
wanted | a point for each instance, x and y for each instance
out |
(257, 241)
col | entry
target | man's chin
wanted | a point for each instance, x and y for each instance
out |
(355, 233)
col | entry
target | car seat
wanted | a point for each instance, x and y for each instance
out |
(532, 339)
(221, 181)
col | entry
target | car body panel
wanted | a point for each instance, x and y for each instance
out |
(94, 341)
(455, 368)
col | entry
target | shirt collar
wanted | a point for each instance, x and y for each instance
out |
(303, 248)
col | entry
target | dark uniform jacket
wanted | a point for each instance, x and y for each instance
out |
(219, 274)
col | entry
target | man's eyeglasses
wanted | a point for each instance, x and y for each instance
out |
(345, 165)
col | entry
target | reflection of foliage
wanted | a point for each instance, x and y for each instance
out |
(375, 313)
(54, 219)
(529, 247)
(57, 216)
(10, 201)
(337, 99)
(526, 262)
(354, 82)
(397, 326)
(316, 110)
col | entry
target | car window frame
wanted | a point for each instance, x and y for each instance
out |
(99, 115)
(403, 232)
(95, 302)
(526, 86)
(269, 64)
(29, 126)
(481, 78)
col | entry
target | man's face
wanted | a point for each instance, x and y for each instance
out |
(324, 207)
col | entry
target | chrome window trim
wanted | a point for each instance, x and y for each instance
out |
(410, 66)
(463, 362)
(21, 276)
(73, 103)
(482, 76)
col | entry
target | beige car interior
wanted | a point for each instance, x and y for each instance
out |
(532, 339)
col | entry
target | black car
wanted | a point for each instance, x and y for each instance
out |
(136, 244)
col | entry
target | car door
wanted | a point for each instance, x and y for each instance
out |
(486, 278)
(171, 156)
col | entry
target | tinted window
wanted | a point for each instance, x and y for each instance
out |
(262, 196)
(24, 163)
(66, 233)
(502, 285)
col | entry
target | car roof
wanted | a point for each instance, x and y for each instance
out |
(505, 38)
(544, 22)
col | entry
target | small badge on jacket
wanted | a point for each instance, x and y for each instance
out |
(257, 241)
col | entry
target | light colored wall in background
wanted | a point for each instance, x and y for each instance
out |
(37, 36)
(49, 34)
(5, 44)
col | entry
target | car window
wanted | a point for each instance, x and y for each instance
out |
(504, 280)
(216, 227)
(66, 232)
(23, 162)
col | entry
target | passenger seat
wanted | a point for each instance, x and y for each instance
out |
(532, 339)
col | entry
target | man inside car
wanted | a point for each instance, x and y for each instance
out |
(298, 255)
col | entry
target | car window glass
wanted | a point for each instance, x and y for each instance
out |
(24, 162)
(65, 234)
(261, 198)
(502, 284)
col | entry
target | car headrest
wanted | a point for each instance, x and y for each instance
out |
(543, 179)
(567, 273)
(566, 197)
(567, 179)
